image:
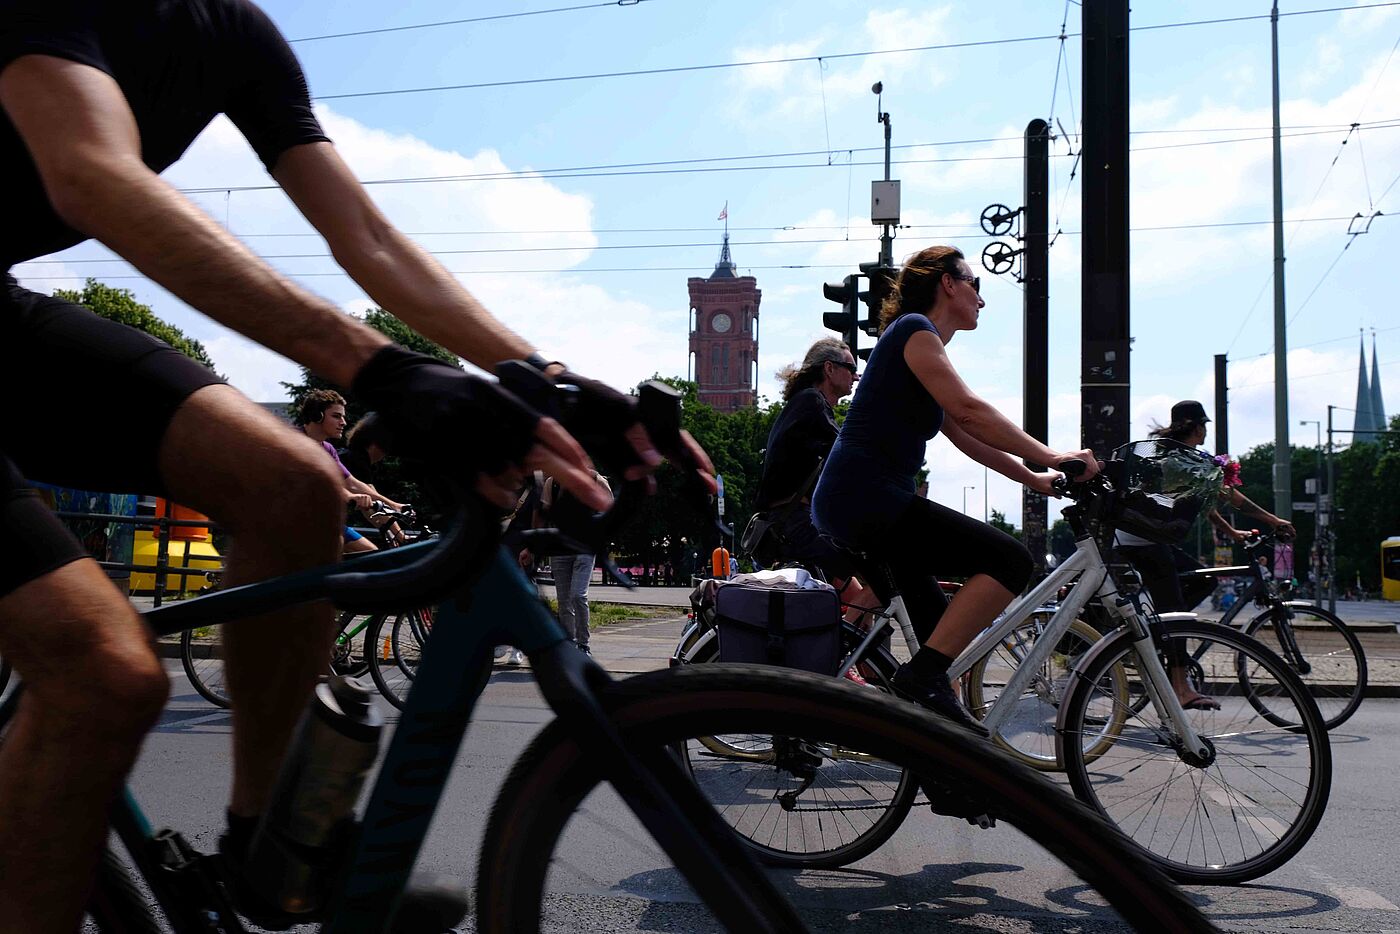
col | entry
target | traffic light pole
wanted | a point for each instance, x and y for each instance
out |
(1104, 375)
(887, 238)
(1036, 350)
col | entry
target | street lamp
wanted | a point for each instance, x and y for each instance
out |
(965, 489)
(1317, 514)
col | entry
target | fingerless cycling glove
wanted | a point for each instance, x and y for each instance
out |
(438, 413)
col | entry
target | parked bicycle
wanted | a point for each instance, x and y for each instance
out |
(1218, 796)
(624, 733)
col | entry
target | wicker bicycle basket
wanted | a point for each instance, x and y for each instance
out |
(1163, 488)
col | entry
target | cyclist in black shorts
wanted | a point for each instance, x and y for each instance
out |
(95, 100)
(866, 499)
(799, 441)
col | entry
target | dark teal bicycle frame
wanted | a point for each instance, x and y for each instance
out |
(477, 611)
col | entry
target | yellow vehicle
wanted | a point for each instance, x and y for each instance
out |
(1390, 568)
(202, 557)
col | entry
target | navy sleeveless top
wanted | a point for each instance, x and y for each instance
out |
(869, 477)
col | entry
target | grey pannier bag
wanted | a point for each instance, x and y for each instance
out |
(782, 618)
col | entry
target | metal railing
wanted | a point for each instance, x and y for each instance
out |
(162, 567)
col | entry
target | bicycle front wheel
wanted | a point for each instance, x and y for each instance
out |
(1250, 804)
(669, 710)
(1322, 651)
(1028, 731)
(396, 642)
(203, 660)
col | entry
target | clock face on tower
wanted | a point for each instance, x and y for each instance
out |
(721, 323)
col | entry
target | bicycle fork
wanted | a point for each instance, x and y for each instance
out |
(1158, 686)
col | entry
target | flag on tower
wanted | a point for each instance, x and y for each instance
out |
(724, 215)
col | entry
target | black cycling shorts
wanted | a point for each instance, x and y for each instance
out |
(87, 404)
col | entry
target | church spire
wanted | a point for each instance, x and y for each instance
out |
(1377, 403)
(1363, 425)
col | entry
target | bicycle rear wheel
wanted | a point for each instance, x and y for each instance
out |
(1322, 650)
(1028, 732)
(1250, 805)
(667, 710)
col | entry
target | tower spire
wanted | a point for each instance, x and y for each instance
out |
(1362, 426)
(1378, 419)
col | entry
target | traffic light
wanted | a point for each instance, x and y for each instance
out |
(847, 293)
(881, 285)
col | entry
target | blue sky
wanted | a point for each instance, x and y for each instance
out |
(1201, 90)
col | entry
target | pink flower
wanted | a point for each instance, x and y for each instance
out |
(1232, 470)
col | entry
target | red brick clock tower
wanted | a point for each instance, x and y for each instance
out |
(724, 336)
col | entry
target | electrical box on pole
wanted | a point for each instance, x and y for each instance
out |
(844, 322)
(1104, 373)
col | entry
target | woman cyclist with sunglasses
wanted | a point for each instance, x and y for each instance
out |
(866, 499)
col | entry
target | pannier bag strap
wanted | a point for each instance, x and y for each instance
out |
(777, 632)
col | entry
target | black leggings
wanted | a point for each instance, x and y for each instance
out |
(928, 540)
(1161, 567)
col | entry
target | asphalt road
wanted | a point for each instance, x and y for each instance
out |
(935, 874)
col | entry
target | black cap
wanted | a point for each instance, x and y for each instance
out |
(1188, 411)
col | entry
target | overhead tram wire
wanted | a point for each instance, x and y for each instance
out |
(949, 230)
(699, 165)
(461, 22)
(716, 66)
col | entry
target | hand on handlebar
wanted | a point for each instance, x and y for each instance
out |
(1078, 466)
(1284, 531)
(362, 501)
(1048, 483)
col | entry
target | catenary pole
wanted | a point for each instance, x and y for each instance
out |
(1283, 473)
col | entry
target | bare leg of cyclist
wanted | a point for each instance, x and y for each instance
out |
(360, 546)
(93, 688)
(971, 610)
(281, 502)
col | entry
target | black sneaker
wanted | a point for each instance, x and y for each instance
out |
(936, 695)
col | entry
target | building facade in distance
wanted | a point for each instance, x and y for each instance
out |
(724, 336)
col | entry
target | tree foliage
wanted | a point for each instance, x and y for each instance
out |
(120, 305)
(1367, 491)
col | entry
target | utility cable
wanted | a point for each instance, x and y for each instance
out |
(459, 22)
(699, 165)
(715, 66)
(948, 229)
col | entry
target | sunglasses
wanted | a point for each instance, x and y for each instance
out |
(975, 280)
(844, 365)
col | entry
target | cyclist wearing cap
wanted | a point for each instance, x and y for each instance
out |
(96, 99)
(1161, 566)
(866, 495)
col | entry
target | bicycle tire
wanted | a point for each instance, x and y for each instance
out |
(117, 905)
(878, 667)
(550, 780)
(1336, 662)
(1028, 734)
(1236, 833)
(396, 652)
(204, 666)
(4, 676)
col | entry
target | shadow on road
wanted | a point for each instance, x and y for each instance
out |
(858, 901)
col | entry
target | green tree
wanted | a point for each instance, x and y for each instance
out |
(121, 305)
(998, 521)
(1061, 539)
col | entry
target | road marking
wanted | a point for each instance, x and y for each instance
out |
(1240, 802)
(1354, 896)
